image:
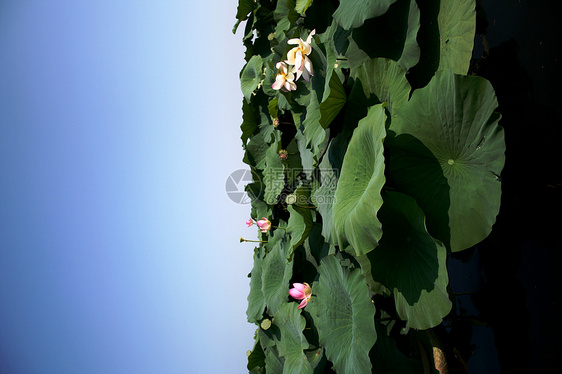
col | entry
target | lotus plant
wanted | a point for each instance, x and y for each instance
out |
(301, 291)
(298, 56)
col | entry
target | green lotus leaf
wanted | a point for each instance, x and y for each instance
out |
(259, 144)
(457, 26)
(250, 121)
(411, 53)
(291, 342)
(302, 6)
(251, 76)
(315, 247)
(256, 301)
(273, 174)
(324, 197)
(329, 169)
(256, 359)
(343, 313)
(306, 155)
(255, 193)
(385, 79)
(448, 153)
(273, 363)
(357, 197)
(334, 95)
(410, 263)
(317, 359)
(245, 7)
(352, 13)
(277, 272)
(285, 16)
(334, 101)
(392, 35)
(299, 225)
(335, 38)
(315, 134)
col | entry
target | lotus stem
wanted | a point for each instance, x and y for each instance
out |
(242, 240)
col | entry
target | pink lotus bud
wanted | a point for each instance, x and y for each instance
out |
(264, 224)
(301, 291)
(249, 222)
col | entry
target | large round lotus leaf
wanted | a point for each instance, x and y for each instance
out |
(410, 263)
(352, 13)
(291, 342)
(357, 197)
(448, 152)
(457, 25)
(251, 76)
(344, 315)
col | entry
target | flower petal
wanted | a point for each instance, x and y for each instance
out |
(309, 39)
(294, 41)
(291, 56)
(299, 295)
(308, 66)
(303, 304)
(279, 82)
(299, 286)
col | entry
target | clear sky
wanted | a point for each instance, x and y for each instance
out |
(119, 250)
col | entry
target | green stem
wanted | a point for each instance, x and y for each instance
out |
(242, 240)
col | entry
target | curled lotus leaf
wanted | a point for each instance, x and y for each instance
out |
(358, 193)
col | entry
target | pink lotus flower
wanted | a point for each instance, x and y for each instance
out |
(301, 291)
(264, 224)
(284, 79)
(249, 222)
(298, 56)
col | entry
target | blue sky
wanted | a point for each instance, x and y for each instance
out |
(119, 125)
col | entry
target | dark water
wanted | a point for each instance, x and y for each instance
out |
(507, 314)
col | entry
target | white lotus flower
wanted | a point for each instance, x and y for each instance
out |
(298, 57)
(285, 78)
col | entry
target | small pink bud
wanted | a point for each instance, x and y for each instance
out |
(249, 222)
